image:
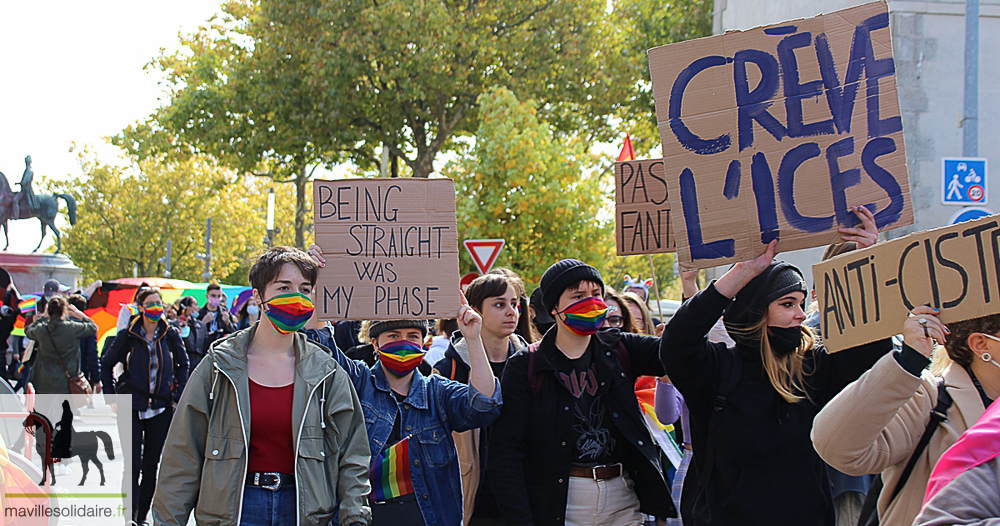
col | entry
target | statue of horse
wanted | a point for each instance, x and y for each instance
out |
(48, 208)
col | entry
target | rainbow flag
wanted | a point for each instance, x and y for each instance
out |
(390, 472)
(28, 306)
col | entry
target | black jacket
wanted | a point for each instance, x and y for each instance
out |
(131, 350)
(765, 470)
(531, 447)
(226, 326)
(194, 342)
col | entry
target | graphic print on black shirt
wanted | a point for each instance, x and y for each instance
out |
(595, 441)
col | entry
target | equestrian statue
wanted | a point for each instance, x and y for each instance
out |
(26, 205)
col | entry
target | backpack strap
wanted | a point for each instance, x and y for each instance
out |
(732, 370)
(939, 414)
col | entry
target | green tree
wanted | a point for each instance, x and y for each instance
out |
(646, 24)
(127, 215)
(243, 96)
(523, 185)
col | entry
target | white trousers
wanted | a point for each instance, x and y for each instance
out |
(610, 502)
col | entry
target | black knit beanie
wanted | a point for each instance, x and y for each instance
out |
(562, 275)
(751, 301)
(380, 326)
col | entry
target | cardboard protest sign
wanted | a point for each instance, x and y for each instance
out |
(642, 209)
(866, 295)
(391, 249)
(776, 132)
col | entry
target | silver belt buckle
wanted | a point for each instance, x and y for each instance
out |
(593, 471)
(277, 482)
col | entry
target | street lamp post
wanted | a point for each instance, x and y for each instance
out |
(269, 240)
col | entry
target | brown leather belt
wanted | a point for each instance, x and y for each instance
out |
(596, 472)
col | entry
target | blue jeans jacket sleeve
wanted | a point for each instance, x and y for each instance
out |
(466, 408)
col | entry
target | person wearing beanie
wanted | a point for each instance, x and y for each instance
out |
(410, 417)
(752, 405)
(571, 446)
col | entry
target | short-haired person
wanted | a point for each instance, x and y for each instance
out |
(496, 296)
(411, 417)
(269, 430)
(153, 356)
(752, 406)
(90, 364)
(218, 322)
(570, 446)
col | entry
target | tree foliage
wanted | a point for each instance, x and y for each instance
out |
(243, 95)
(127, 215)
(646, 24)
(523, 185)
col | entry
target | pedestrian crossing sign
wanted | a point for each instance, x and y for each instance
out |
(963, 181)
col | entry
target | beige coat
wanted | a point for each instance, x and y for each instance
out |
(874, 424)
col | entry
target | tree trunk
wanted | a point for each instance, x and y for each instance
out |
(395, 166)
(301, 180)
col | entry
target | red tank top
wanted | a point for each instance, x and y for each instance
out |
(272, 447)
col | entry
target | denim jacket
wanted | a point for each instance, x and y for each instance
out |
(434, 407)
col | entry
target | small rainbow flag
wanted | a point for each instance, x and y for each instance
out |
(28, 306)
(390, 472)
(133, 310)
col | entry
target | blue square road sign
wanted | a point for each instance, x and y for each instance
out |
(963, 181)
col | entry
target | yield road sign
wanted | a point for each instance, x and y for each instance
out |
(484, 252)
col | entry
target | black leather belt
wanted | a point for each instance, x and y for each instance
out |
(271, 481)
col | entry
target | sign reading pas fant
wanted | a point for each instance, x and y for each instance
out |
(391, 249)
(776, 132)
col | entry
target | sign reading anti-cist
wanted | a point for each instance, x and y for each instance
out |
(776, 132)
(391, 249)
(867, 294)
(642, 209)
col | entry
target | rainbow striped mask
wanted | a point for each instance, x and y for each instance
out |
(153, 312)
(585, 317)
(289, 312)
(401, 357)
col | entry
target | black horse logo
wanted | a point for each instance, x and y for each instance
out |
(68, 442)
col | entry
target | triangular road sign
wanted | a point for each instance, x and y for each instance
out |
(484, 252)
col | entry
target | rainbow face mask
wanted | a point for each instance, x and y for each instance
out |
(401, 357)
(289, 312)
(153, 312)
(585, 317)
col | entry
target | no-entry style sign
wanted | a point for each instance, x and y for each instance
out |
(484, 252)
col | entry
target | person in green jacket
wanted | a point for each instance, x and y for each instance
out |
(269, 430)
(57, 341)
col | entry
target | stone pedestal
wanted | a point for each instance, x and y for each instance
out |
(31, 271)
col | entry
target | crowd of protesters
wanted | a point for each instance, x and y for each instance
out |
(537, 408)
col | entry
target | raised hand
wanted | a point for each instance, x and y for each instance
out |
(469, 321)
(865, 236)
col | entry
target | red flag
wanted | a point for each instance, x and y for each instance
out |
(628, 154)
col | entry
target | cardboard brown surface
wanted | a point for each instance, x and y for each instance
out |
(866, 295)
(642, 209)
(391, 249)
(775, 132)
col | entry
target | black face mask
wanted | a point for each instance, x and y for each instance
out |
(784, 340)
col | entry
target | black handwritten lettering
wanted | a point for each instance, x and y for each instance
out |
(954, 266)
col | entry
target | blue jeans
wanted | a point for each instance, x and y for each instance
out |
(263, 507)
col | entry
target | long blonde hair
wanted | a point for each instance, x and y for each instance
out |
(787, 374)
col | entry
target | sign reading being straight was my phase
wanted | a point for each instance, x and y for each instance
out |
(777, 132)
(391, 249)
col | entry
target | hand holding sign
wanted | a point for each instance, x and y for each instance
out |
(922, 329)
(865, 236)
(737, 277)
